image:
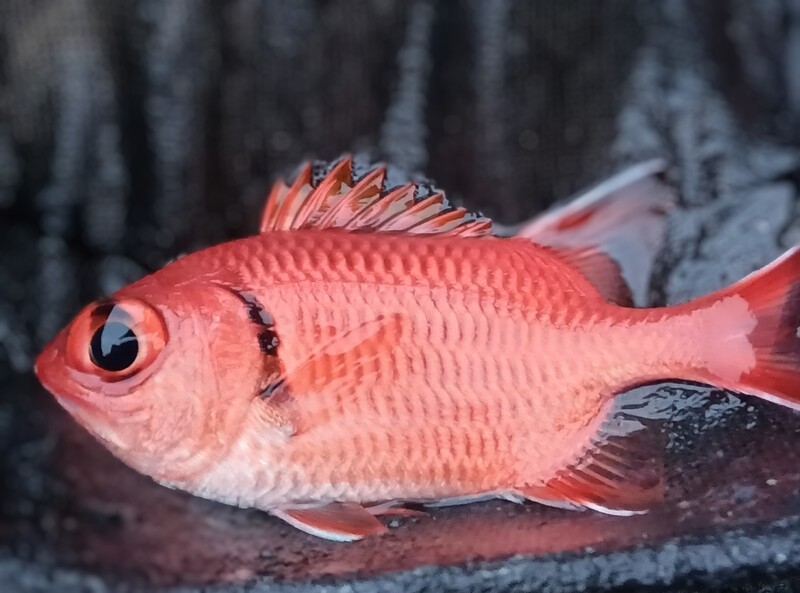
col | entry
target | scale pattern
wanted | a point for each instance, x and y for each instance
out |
(487, 368)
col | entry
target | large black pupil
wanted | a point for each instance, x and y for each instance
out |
(114, 347)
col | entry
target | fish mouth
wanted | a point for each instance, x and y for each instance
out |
(54, 377)
(43, 366)
(60, 380)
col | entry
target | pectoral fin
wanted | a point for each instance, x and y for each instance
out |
(345, 362)
(336, 521)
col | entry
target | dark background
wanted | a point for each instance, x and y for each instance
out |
(131, 132)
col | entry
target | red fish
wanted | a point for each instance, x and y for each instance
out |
(371, 347)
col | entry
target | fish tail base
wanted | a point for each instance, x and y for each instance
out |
(773, 296)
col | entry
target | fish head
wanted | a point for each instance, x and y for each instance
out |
(163, 376)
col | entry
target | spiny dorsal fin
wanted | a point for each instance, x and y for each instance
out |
(341, 202)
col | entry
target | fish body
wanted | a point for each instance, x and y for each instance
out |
(327, 374)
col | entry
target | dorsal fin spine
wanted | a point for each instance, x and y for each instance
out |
(275, 199)
(340, 202)
(334, 184)
(373, 181)
(301, 186)
(404, 193)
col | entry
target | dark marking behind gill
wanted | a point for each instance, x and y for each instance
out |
(273, 387)
(258, 314)
(268, 340)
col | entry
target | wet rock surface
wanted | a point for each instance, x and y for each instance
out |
(130, 134)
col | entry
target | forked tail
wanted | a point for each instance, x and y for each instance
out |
(773, 296)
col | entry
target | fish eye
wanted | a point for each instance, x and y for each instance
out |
(116, 339)
(114, 347)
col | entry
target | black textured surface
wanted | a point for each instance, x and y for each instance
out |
(131, 132)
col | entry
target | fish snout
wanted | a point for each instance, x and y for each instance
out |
(49, 365)
(42, 369)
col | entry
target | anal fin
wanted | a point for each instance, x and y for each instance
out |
(336, 521)
(620, 472)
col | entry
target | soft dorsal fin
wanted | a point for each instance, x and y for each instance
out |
(622, 220)
(341, 202)
(602, 271)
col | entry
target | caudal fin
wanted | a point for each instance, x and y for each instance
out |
(773, 295)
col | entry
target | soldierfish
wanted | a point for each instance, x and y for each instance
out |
(373, 347)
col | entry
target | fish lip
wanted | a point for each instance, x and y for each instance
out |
(51, 378)
(41, 368)
(80, 402)
(47, 372)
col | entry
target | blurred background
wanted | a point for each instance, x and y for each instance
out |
(131, 132)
